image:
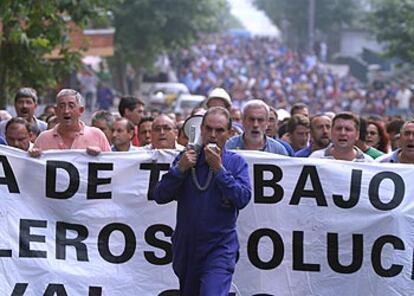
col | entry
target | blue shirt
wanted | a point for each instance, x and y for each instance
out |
(304, 152)
(391, 157)
(205, 234)
(271, 145)
(287, 146)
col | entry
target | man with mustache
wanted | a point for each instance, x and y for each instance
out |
(25, 103)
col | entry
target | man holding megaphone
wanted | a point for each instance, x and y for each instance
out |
(210, 185)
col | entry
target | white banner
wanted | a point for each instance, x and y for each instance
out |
(71, 224)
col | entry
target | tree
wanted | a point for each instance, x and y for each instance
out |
(393, 23)
(147, 28)
(292, 17)
(29, 30)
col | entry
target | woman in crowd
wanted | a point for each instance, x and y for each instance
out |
(377, 136)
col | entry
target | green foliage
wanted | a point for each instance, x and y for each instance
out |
(146, 28)
(30, 30)
(330, 15)
(393, 23)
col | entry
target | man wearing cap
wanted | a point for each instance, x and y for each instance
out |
(219, 98)
(25, 103)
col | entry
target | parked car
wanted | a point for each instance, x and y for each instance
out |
(185, 103)
(162, 94)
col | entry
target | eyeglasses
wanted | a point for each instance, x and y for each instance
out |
(165, 128)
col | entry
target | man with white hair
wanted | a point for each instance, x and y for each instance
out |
(71, 132)
(255, 122)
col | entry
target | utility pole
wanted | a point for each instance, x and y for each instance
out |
(311, 24)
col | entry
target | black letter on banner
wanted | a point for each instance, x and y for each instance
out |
(260, 183)
(397, 243)
(399, 190)
(357, 253)
(95, 291)
(94, 181)
(5, 253)
(62, 241)
(355, 192)
(25, 238)
(9, 179)
(19, 289)
(51, 169)
(253, 246)
(163, 245)
(130, 243)
(317, 191)
(298, 256)
(170, 293)
(55, 290)
(155, 169)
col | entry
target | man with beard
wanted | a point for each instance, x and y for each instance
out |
(25, 103)
(344, 135)
(320, 130)
(255, 121)
(71, 132)
(404, 154)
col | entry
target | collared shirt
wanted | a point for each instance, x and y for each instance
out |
(135, 139)
(206, 220)
(390, 157)
(86, 137)
(40, 124)
(131, 148)
(374, 153)
(304, 152)
(149, 147)
(270, 145)
(327, 153)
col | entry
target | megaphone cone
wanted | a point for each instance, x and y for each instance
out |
(192, 129)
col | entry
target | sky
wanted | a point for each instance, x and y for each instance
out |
(254, 20)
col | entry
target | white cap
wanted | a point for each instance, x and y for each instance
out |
(219, 93)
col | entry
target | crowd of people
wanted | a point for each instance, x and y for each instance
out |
(264, 68)
(244, 83)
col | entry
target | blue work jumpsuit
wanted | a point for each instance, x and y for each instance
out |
(205, 241)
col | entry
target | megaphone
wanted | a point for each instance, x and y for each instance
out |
(192, 129)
